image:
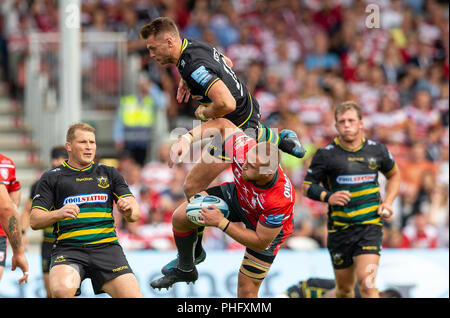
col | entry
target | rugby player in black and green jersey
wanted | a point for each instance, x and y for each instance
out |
(326, 288)
(207, 76)
(345, 175)
(77, 197)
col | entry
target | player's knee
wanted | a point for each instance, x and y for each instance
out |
(344, 291)
(178, 217)
(189, 188)
(247, 290)
(62, 291)
(367, 290)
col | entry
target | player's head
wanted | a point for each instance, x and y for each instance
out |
(390, 293)
(163, 40)
(349, 123)
(262, 161)
(80, 143)
(58, 154)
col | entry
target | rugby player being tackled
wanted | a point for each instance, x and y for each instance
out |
(261, 196)
(207, 76)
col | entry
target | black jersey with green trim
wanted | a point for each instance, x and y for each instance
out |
(315, 288)
(48, 231)
(338, 168)
(94, 190)
(201, 65)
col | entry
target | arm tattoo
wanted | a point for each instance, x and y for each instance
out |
(14, 232)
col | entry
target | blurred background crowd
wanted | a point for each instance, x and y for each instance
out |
(299, 58)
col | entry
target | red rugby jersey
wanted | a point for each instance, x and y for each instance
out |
(271, 205)
(8, 178)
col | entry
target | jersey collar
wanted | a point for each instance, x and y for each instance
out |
(183, 47)
(65, 164)
(268, 185)
(337, 142)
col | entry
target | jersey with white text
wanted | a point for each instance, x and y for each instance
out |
(94, 190)
(356, 171)
(201, 65)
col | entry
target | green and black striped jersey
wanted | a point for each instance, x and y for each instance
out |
(94, 190)
(338, 168)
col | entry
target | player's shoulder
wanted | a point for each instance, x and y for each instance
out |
(6, 161)
(52, 175)
(103, 170)
(54, 172)
(100, 168)
(327, 150)
(375, 146)
(195, 53)
(282, 193)
(194, 45)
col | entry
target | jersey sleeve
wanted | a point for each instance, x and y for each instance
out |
(276, 217)
(200, 77)
(387, 162)
(8, 177)
(44, 196)
(15, 184)
(33, 190)
(317, 169)
(119, 187)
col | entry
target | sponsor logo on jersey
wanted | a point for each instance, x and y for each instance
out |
(275, 219)
(87, 198)
(4, 173)
(287, 188)
(201, 76)
(355, 158)
(118, 269)
(356, 179)
(83, 179)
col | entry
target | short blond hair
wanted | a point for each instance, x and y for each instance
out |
(345, 106)
(70, 136)
(158, 26)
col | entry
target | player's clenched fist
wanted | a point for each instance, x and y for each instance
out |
(69, 211)
(124, 207)
(340, 198)
(178, 151)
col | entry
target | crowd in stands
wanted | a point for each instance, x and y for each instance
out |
(299, 58)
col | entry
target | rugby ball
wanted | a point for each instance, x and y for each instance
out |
(194, 208)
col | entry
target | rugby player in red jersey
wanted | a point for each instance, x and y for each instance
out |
(261, 196)
(10, 196)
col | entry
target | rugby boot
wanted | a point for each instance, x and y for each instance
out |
(290, 144)
(174, 263)
(175, 275)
